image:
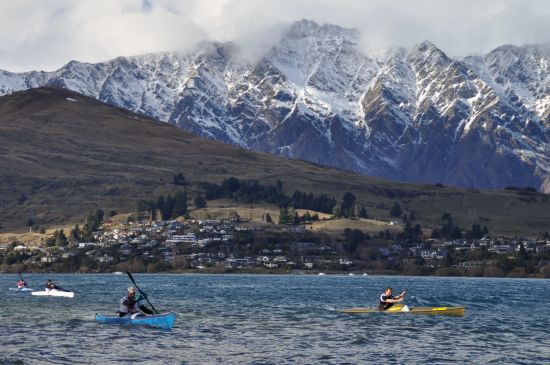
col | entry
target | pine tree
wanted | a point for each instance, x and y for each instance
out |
(408, 232)
(456, 233)
(395, 210)
(200, 202)
(337, 210)
(447, 227)
(60, 238)
(76, 235)
(347, 203)
(284, 216)
(161, 202)
(296, 218)
(168, 211)
(522, 255)
(142, 206)
(279, 187)
(99, 215)
(179, 179)
(152, 209)
(180, 203)
(417, 230)
(30, 223)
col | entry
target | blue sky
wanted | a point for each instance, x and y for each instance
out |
(46, 34)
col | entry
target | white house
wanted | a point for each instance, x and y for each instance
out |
(182, 238)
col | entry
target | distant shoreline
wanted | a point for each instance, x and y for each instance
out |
(273, 273)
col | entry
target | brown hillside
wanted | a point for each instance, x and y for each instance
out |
(63, 154)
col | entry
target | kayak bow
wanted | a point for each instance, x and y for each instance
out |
(163, 320)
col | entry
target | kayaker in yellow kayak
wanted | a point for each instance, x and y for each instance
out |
(129, 305)
(387, 300)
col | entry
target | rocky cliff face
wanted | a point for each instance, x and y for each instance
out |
(412, 114)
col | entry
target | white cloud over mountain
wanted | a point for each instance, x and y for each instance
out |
(44, 35)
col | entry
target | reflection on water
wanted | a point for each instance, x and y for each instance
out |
(252, 319)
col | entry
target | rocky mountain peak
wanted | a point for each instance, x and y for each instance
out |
(307, 28)
(415, 115)
(427, 52)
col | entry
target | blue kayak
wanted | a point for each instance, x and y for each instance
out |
(21, 289)
(163, 320)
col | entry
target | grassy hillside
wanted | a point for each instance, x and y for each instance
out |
(63, 155)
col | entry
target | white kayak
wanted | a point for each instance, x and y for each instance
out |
(54, 293)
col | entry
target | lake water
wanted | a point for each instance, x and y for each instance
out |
(262, 319)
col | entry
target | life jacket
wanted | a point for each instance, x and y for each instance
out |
(383, 305)
(130, 306)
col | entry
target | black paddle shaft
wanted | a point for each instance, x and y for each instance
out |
(141, 292)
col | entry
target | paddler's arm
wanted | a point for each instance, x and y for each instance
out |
(394, 300)
(145, 310)
(401, 296)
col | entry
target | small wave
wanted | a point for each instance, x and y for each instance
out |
(77, 322)
(11, 361)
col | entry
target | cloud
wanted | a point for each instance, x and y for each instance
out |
(46, 34)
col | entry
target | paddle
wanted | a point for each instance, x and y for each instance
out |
(402, 295)
(141, 292)
(23, 280)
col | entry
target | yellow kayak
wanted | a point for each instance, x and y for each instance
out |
(447, 311)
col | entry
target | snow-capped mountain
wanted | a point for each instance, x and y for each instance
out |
(412, 114)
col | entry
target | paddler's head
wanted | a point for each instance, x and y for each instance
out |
(388, 291)
(131, 292)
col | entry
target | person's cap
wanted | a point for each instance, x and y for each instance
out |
(131, 289)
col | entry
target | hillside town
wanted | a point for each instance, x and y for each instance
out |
(235, 245)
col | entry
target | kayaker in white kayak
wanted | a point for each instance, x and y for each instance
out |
(130, 305)
(50, 285)
(387, 300)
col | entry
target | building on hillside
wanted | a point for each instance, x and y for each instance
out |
(182, 238)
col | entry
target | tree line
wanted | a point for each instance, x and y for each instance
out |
(167, 207)
(251, 191)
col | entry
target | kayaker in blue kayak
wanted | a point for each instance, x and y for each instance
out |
(130, 305)
(387, 300)
(22, 284)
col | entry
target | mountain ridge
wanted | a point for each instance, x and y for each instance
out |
(411, 115)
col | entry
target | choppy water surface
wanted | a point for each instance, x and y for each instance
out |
(253, 319)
